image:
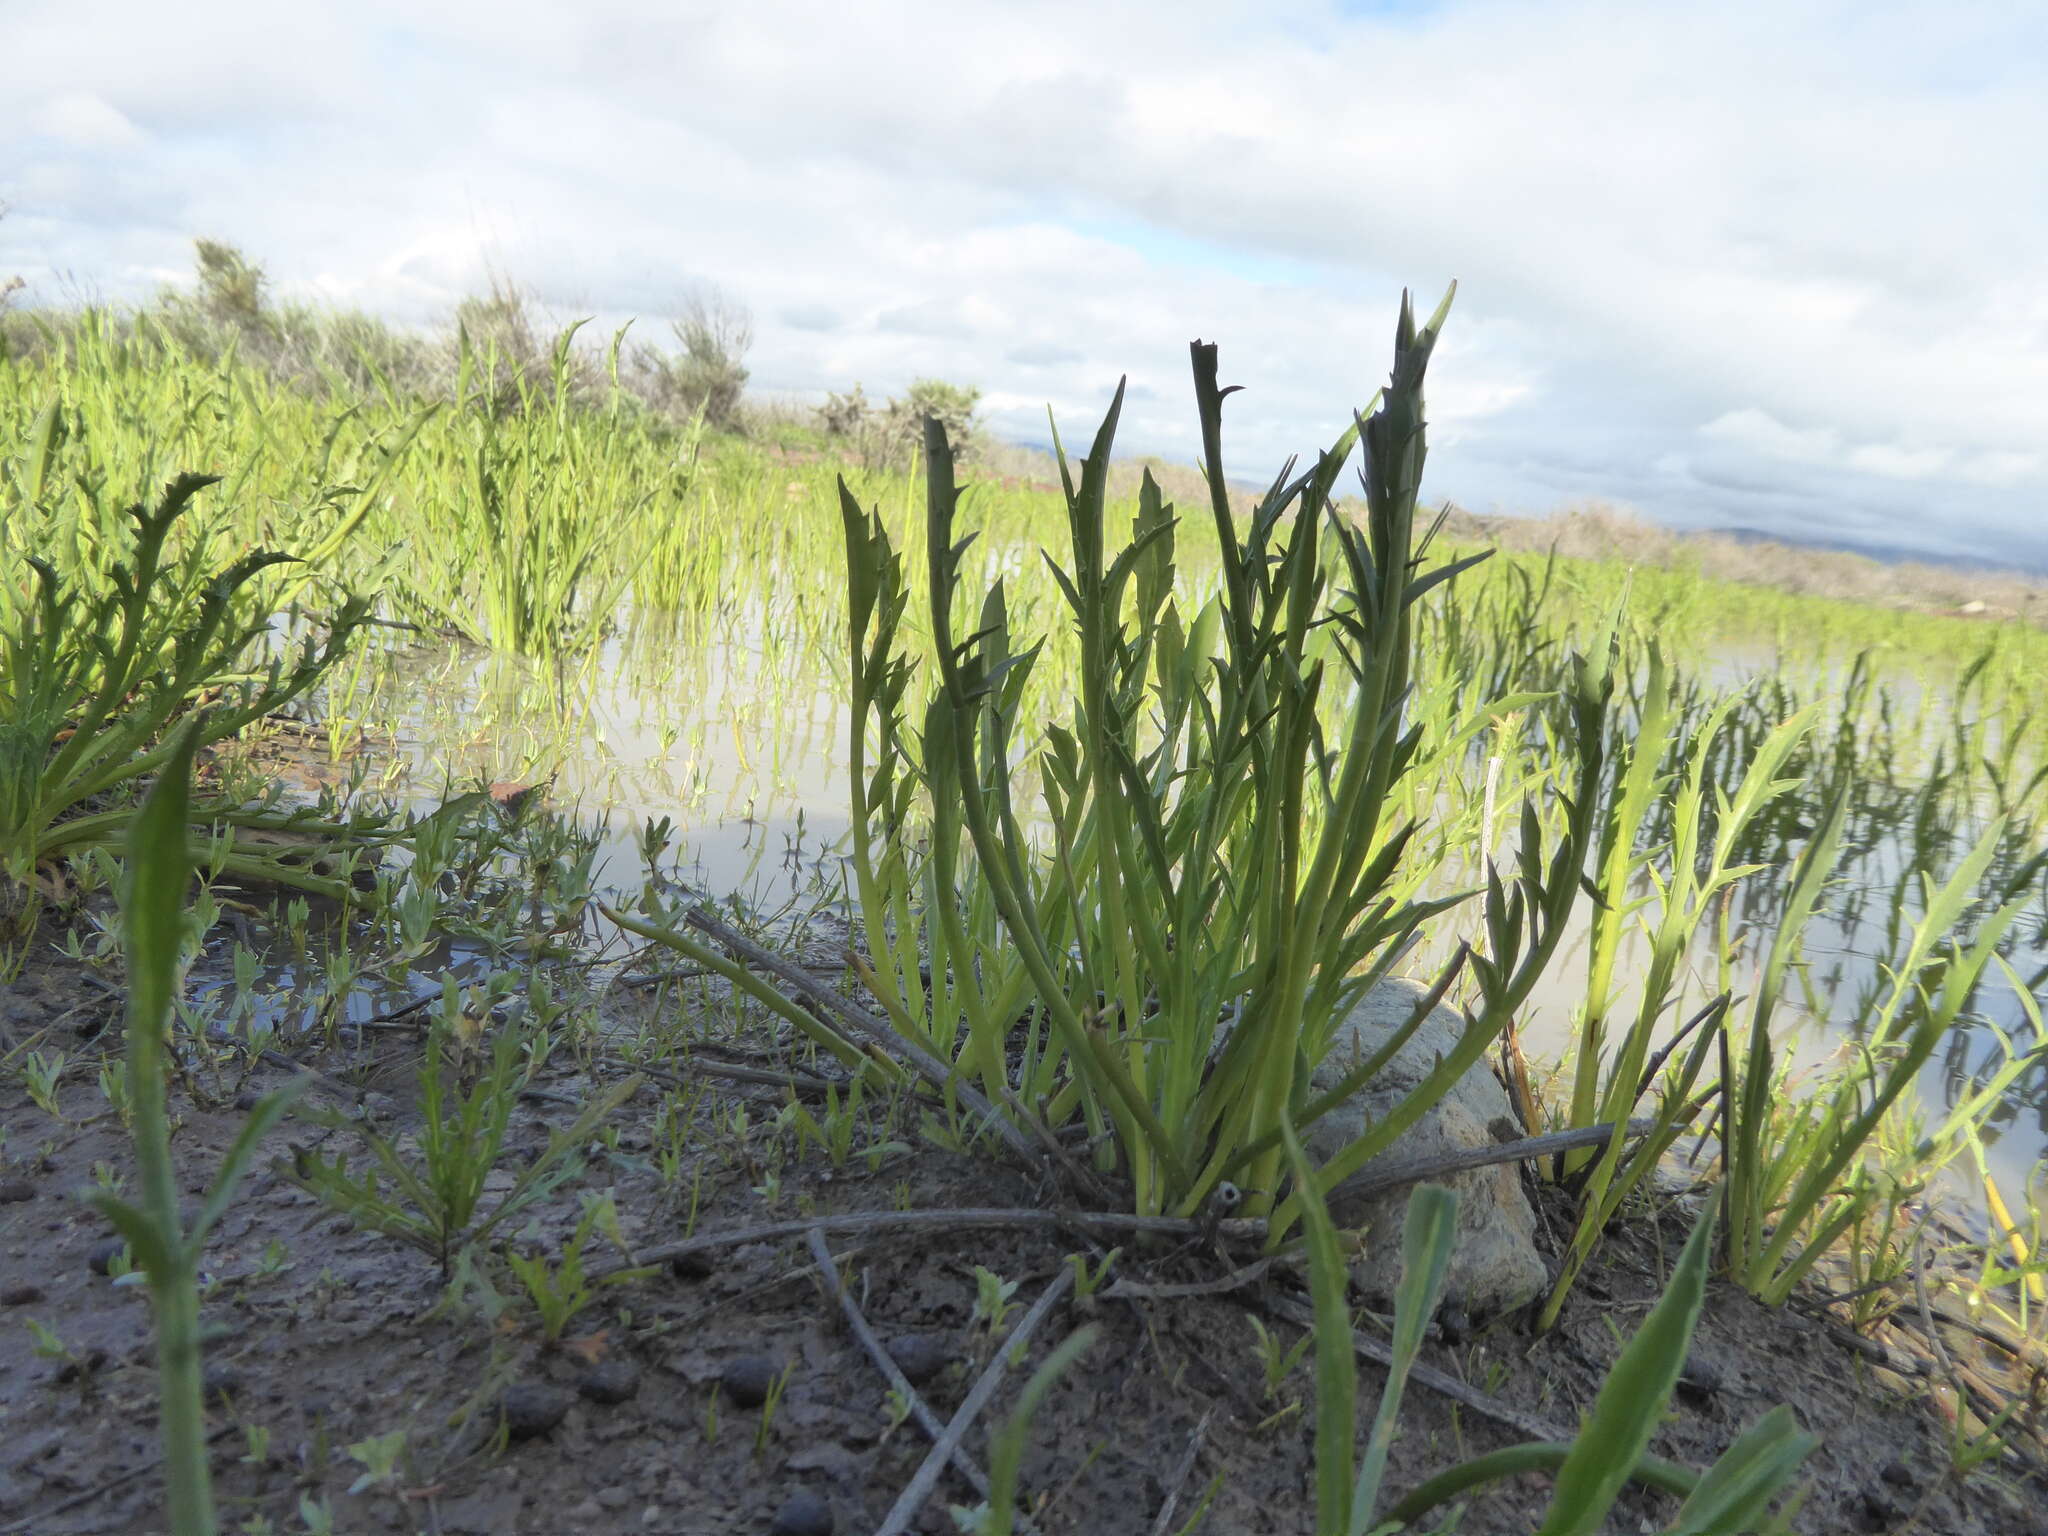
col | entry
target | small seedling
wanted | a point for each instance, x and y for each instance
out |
(48, 1345)
(114, 1089)
(1276, 1360)
(993, 1301)
(378, 1457)
(560, 1291)
(40, 1075)
(768, 1406)
(436, 1203)
(1088, 1278)
(895, 1410)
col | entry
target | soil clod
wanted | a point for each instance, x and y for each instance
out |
(220, 1380)
(20, 1295)
(14, 1191)
(805, 1514)
(611, 1382)
(749, 1379)
(534, 1408)
(919, 1356)
(101, 1259)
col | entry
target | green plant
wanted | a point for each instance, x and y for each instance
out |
(1222, 864)
(559, 1291)
(766, 1425)
(993, 1299)
(378, 1456)
(1797, 1170)
(1088, 1277)
(997, 1516)
(168, 1253)
(1610, 1077)
(40, 1075)
(100, 659)
(1730, 1498)
(1277, 1359)
(436, 1203)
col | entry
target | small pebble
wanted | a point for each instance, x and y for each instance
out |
(220, 1380)
(613, 1381)
(101, 1260)
(614, 1498)
(691, 1266)
(1699, 1380)
(20, 1295)
(247, 1100)
(533, 1408)
(1898, 1474)
(14, 1191)
(805, 1514)
(919, 1356)
(748, 1379)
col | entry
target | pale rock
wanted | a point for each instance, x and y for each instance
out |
(1494, 1266)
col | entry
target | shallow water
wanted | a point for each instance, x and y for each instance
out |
(745, 753)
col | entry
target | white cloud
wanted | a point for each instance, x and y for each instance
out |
(1817, 239)
(84, 120)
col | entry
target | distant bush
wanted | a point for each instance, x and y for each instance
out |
(887, 437)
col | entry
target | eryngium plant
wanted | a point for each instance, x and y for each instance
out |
(96, 668)
(1225, 858)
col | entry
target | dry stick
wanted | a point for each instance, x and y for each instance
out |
(1179, 1480)
(1301, 1313)
(694, 972)
(907, 1504)
(1241, 1230)
(820, 996)
(919, 1409)
(1382, 1174)
(1136, 1290)
(1236, 1230)
(802, 1084)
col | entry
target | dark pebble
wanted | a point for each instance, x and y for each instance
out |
(1699, 1380)
(247, 1100)
(533, 1408)
(919, 1356)
(804, 1515)
(691, 1266)
(101, 1259)
(220, 1380)
(14, 1191)
(747, 1380)
(611, 1382)
(1898, 1474)
(20, 1295)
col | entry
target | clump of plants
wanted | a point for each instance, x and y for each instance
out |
(431, 1195)
(116, 628)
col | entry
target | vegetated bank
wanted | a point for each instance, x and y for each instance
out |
(1252, 759)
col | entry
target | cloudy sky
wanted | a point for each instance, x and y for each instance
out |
(1779, 266)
